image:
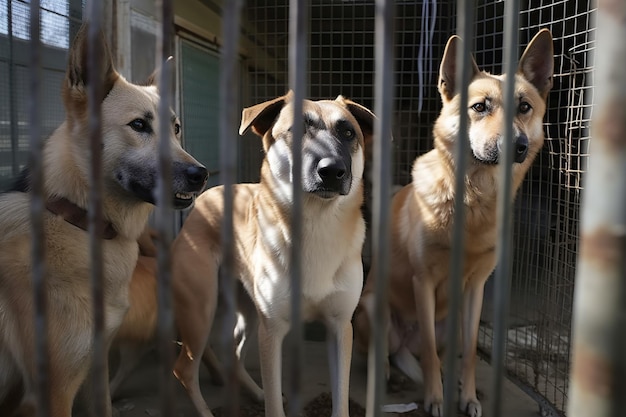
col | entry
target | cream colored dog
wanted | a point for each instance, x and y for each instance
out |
(333, 233)
(130, 120)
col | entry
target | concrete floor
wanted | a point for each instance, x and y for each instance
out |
(139, 395)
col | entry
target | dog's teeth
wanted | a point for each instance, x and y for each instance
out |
(184, 196)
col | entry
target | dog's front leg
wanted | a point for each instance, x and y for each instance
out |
(431, 365)
(472, 306)
(339, 356)
(272, 331)
(247, 324)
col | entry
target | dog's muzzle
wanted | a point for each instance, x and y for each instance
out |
(197, 176)
(492, 155)
(332, 178)
(520, 148)
(194, 178)
(188, 180)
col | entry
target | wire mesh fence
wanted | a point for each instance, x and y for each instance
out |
(546, 208)
(342, 61)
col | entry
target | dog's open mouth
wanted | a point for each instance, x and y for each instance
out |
(188, 182)
(180, 200)
(183, 200)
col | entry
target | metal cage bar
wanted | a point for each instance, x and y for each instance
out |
(228, 166)
(298, 24)
(504, 205)
(36, 215)
(98, 373)
(464, 22)
(164, 210)
(383, 96)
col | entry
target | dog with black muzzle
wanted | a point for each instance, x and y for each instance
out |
(332, 237)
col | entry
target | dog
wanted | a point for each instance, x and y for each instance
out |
(130, 120)
(422, 218)
(138, 331)
(333, 232)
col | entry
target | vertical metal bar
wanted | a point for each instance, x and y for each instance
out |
(598, 373)
(164, 211)
(94, 105)
(298, 31)
(229, 88)
(381, 205)
(504, 207)
(75, 17)
(14, 131)
(36, 215)
(465, 22)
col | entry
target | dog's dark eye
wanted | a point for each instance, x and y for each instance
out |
(348, 134)
(524, 107)
(479, 107)
(176, 129)
(140, 125)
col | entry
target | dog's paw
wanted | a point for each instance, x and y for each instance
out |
(471, 407)
(435, 408)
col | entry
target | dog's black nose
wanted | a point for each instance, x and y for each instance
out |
(196, 175)
(521, 148)
(330, 169)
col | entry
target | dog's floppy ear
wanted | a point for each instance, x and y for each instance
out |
(537, 62)
(78, 74)
(262, 116)
(362, 114)
(447, 70)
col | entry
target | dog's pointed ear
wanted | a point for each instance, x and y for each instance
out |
(537, 62)
(447, 70)
(262, 116)
(153, 79)
(78, 74)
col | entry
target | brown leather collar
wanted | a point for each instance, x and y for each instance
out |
(77, 216)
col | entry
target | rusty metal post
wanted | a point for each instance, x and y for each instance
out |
(598, 373)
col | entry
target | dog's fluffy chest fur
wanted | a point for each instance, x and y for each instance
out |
(435, 201)
(65, 261)
(331, 270)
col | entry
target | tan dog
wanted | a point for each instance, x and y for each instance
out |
(130, 120)
(138, 331)
(422, 215)
(333, 233)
